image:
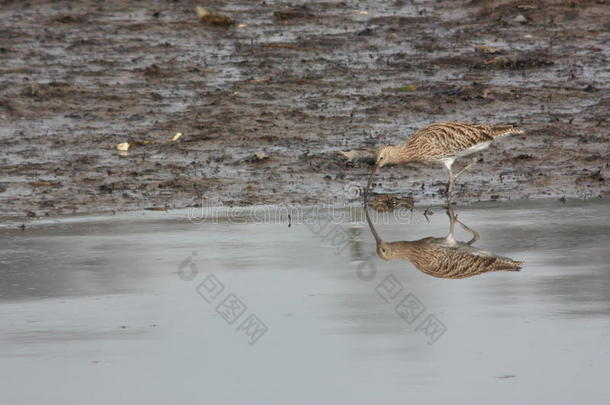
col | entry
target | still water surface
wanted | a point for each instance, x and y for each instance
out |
(157, 309)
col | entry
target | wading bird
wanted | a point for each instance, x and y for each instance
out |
(444, 257)
(444, 143)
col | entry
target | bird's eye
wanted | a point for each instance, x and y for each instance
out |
(381, 158)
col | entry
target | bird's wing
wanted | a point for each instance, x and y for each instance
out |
(434, 257)
(459, 263)
(449, 138)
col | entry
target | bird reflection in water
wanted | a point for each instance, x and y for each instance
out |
(444, 257)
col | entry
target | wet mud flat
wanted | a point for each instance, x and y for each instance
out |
(266, 105)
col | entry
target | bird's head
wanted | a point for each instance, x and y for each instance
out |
(385, 155)
(385, 251)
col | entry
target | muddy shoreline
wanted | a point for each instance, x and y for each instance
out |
(296, 85)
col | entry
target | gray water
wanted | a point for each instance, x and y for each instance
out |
(111, 310)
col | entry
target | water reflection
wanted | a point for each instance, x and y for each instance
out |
(444, 257)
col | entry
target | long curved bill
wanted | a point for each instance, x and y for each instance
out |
(374, 173)
(366, 203)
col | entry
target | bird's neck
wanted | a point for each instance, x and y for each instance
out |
(402, 154)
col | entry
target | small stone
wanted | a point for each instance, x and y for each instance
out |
(521, 19)
(359, 154)
(257, 157)
(490, 50)
(212, 18)
(123, 146)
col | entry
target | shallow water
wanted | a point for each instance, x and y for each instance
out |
(112, 310)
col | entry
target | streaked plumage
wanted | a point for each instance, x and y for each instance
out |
(443, 142)
(445, 257)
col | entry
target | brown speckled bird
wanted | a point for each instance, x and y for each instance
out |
(443, 142)
(444, 257)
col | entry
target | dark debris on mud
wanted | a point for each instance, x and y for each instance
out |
(297, 85)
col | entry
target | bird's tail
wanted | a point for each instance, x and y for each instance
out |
(506, 264)
(503, 130)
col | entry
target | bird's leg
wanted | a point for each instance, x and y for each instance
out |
(452, 220)
(449, 189)
(468, 166)
(475, 234)
(450, 183)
